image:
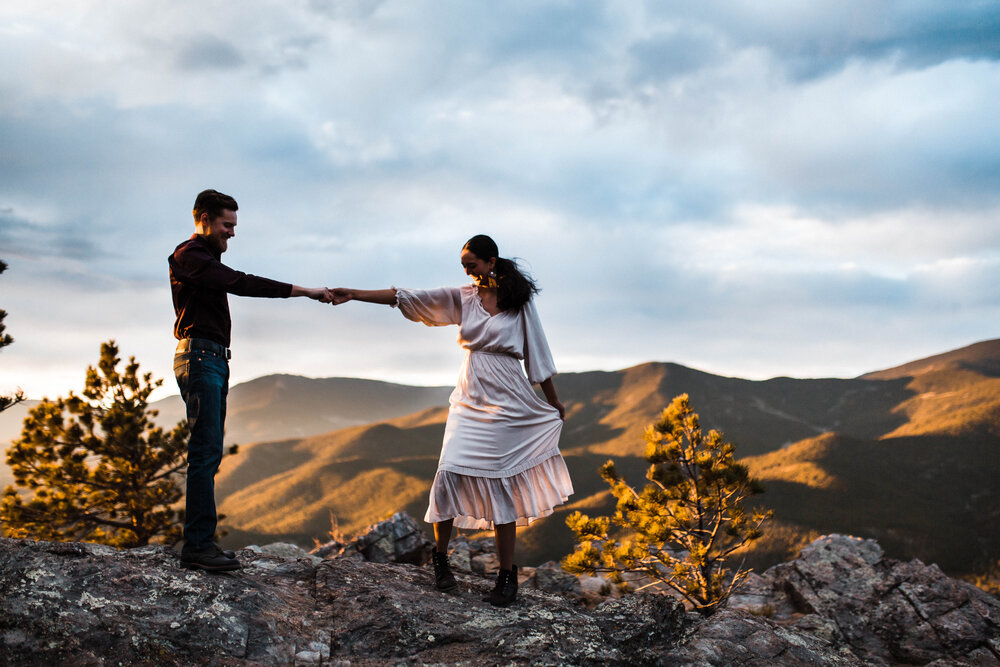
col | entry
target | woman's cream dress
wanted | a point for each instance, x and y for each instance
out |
(500, 461)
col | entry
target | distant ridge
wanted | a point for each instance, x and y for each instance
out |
(906, 455)
(982, 358)
(280, 406)
(285, 406)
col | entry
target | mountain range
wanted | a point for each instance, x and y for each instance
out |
(907, 455)
(278, 406)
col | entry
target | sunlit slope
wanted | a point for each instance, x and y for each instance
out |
(956, 393)
(927, 487)
(609, 411)
(932, 497)
(275, 407)
(290, 488)
(10, 429)
(908, 458)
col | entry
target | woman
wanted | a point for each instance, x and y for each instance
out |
(500, 465)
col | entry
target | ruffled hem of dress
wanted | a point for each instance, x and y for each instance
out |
(479, 503)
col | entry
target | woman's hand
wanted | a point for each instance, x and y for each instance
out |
(341, 295)
(549, 389)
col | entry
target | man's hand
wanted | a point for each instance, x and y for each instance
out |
(321, 294)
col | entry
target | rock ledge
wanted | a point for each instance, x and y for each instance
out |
(839, 603)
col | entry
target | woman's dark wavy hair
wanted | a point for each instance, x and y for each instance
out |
(514, 287)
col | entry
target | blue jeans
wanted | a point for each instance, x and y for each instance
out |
(203, 378)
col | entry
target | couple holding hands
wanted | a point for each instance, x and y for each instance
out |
(500, 465)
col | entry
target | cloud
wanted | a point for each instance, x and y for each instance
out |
(350, 10)
(23, 237)
(675, 52)
(207, 52)
(815, 40)
(781, 189)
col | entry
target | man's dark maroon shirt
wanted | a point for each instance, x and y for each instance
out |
(200, 282)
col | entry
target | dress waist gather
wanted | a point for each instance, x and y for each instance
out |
(495, 353)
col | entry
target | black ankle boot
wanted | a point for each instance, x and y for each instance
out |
(443, 578)
(505, 591)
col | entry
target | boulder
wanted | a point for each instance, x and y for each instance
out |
(486, 564)
(550, 577)
(398, 539)
(459, 555)
(845, 590)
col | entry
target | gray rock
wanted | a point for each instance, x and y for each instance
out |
(459, 555)
(83, 604)
(398, 539)
(486, 564)
(731, 637)
(844, 590)
(284, 550)
(551, 577)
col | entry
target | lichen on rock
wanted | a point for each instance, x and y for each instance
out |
(840, 603)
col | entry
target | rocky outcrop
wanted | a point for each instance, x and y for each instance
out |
(846, 591)
(84, 604)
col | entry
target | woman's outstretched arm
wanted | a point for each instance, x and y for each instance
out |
(383, 296)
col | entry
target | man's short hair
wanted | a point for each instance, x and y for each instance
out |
(214, 203)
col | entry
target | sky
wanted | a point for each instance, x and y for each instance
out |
(805, 189)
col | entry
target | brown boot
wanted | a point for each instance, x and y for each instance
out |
(505, 590)
(444, 580)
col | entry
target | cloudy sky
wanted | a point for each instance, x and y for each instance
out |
(752, 189)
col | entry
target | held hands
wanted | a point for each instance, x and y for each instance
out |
(335, 296)
(321, 294)
(341, 295)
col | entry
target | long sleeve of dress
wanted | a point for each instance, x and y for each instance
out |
(434, 307)
(538, 363)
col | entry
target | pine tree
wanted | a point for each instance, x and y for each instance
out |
(97, 468)
(5, 340)
(686, 522)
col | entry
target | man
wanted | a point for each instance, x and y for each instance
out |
(200, 283)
